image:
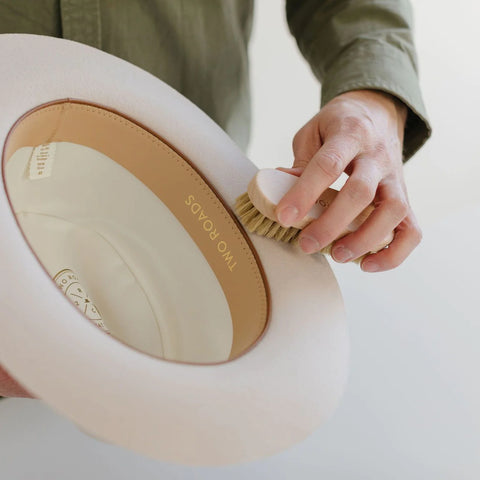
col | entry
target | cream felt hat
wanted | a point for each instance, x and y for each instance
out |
(133, 302)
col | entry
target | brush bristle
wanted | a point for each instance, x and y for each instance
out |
(255, 222)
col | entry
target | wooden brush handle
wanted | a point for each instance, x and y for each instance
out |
(268, 187)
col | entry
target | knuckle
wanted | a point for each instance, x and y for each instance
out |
(361, 190)
(399, 207)
(380, 148)
(352, 124)
(418, 234)
(357, 126)
(330, 163)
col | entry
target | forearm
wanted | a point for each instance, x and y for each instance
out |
(361, 45)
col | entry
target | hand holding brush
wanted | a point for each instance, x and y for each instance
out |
(369, 221)
(256, 209)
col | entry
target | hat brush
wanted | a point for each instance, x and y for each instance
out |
(256, 210)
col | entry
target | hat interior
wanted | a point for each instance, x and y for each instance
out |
(134, 234)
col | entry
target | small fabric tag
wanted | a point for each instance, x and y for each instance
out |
(68, 282)
(41, 161)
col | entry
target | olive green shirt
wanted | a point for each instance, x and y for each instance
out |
(200, 47)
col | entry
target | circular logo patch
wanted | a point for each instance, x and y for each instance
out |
(69, 283)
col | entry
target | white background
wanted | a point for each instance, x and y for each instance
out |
(411, 409)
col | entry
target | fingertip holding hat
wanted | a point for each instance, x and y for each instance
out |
(133, 301)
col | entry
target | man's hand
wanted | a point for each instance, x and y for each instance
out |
(10, 387)
(360, 133)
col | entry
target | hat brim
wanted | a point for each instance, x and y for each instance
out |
(273, 396)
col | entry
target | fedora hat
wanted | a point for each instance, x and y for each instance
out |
(133, 302)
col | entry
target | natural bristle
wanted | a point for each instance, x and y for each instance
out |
(256, 222)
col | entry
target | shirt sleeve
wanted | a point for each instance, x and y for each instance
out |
(363, 44)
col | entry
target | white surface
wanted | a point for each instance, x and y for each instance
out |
(411, 408)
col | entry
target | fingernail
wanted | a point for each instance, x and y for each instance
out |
(287, 215)
(369, 267)
(309, 244)
(341, 254)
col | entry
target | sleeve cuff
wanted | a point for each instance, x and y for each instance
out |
(380, 66)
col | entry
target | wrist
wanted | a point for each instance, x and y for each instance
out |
(385, 100)
(400, 107)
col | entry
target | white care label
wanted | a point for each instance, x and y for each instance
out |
(41, 161)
